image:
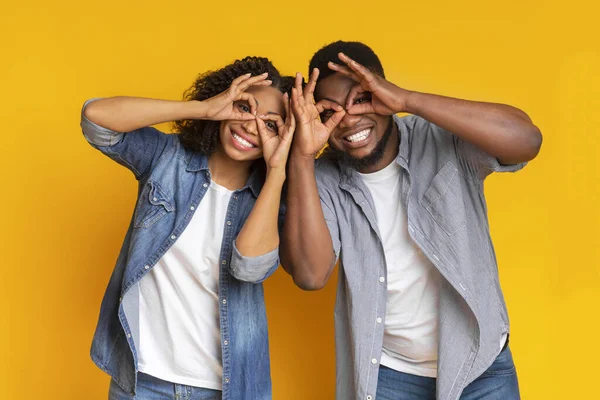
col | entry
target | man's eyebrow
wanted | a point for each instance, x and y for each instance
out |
(332, 100)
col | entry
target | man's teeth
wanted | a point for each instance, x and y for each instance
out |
(357, 137)
(242, 141)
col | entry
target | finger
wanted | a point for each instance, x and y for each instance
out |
(365, 108)
(335, 119)
(323, 105)
(290, 120)
(239, 79)
(255, 80)
(263, 133)
(279, 122)
(354, 92)
(250, 99)
(344, 71)
(286, 104)
(291, 128)
(359, 69)
(310, 88)
(298, 85)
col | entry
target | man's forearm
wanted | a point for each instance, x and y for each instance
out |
(306, 246)
(505, 132)
(126, 114)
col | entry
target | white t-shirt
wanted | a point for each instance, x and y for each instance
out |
(180, 338)
(410, 341)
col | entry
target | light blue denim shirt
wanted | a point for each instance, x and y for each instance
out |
(172, 182)
(442, 191)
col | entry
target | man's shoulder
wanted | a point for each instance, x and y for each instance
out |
(327, 171)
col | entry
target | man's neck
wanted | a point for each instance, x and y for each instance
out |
(389, 155)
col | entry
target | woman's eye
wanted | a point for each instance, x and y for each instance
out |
(271, 125)
(243, 107)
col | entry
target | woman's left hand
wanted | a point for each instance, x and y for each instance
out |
(276, 137)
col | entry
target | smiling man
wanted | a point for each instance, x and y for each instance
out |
(399, 201)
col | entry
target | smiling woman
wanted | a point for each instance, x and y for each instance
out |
(204, 234)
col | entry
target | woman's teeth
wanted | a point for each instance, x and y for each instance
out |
(242, 141)
(357, 137)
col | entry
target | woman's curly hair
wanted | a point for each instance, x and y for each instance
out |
(203, 135)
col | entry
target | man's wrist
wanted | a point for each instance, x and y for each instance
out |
(411, 102)
(302, 159)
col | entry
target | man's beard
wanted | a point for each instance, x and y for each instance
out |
(367, 161)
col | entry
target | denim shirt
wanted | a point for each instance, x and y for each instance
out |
(172, 182)
(442, 192)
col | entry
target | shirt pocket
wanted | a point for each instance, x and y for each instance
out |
(154, 203)
(443, 200)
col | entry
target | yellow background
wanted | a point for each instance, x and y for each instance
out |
(65, 207)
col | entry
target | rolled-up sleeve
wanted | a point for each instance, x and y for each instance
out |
(253, 269)
(474, 161)
(326, 186)
(137, 150)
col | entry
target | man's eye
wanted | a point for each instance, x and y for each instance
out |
(325, 115)
(243, 107)
(361, 100)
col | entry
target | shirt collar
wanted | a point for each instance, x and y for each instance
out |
(347, 174)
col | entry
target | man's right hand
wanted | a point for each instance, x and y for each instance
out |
(311, 133)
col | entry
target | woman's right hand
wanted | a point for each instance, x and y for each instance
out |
(222, 106)
(311, 132)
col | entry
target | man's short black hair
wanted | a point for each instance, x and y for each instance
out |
(359, 52)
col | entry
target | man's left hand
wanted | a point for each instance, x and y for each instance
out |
(372, 93)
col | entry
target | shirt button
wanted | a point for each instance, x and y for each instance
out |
(154, 198)
(224, 301)
(205, 185)
(120, 299)
(379, 320)
(146, 267)
(129, 335)
(373, 361)
(235, 197)
(192, 208)
(382, 279)
(226, 380)
(225, 342)
(369, 397)
(228, 222)
(173, 237)
(223, 262)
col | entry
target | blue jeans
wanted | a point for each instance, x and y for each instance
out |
(151, 388)
(499, 382)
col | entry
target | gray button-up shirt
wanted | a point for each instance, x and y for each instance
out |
(442, 191)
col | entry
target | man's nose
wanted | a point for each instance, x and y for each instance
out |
(349, 121)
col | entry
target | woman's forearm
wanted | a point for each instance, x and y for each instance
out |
(125, 114)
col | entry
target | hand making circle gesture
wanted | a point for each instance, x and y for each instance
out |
(385, 97)
(313, 133)
(221, 107)
(276, 136)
